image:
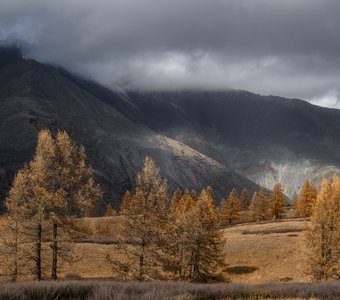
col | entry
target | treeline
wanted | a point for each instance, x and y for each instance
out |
(263, 205)
(161, 236)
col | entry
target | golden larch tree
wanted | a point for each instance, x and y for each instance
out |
(58, 187)
(125, 204)
(230, 208)
(15, 239)
(306, 200)
(175, 200)
(204, 240)
(323, 234)
(143, 227)
(110, 211)
(259, 206)
(277, 202)
(244, 199)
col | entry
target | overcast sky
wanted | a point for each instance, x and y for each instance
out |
(282, 47)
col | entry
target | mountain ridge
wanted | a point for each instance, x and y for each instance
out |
(226, 139)
(34, 96)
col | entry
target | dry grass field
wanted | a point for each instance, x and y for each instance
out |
(258, 253)
(265, 261)
(275, 250)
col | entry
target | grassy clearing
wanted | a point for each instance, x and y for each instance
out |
(274, 257)
(276, 254)
(100, 290)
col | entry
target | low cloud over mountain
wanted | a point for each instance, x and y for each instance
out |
(289, 48)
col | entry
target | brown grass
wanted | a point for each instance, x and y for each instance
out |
(270, 248)
(100, 290)
(275, 254)
(274, 251)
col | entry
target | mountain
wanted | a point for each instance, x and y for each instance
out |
(112, 128)
(264, 138)
(221, 138)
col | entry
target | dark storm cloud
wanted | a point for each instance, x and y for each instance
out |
(289, 48)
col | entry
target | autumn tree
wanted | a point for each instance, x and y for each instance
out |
(306, 200)
(143, 227)
(58, 187)
(323, 235)
(186, 202)
(204, 240)
(252, 208)
(259, 206)
(110, 211)
(194, 247)
(230, 208)
(14, 241)
(40, 177)
(176, 256)
(175, 200)
(64, 184)
(277, 201)
(244, 199)
(125, 204)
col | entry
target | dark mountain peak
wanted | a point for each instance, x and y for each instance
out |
(9, 54)
(108, 123)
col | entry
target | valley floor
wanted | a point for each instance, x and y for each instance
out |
(275, 250)
(257, 253)
(265, 261)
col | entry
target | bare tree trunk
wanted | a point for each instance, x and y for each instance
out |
(15, 269)
(55, 251)
(141, 263)
(38, 252)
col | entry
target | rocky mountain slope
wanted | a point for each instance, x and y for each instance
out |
(109, 124)
(263, 138)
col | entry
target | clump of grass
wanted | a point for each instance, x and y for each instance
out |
(239, 270)
(273, 230)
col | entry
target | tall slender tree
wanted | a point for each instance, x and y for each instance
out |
(323, 234)
(205, 241)
(74, 189)
(244, 199)
(277, 202)
(306, 201)
(259, 207)
(230, 208)
(125, 204)
(15, 237)
(144, 224)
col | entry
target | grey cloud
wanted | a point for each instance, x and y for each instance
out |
(289, 48)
